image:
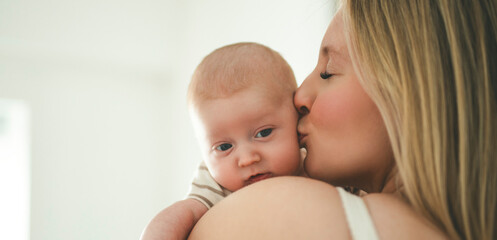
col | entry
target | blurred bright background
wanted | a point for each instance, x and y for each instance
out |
(95, 137)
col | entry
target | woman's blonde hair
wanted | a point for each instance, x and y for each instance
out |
(431, 68)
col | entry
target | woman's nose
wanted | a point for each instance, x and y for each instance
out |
(248, 158)
(304, 97)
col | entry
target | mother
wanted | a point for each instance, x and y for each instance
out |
(402, 104)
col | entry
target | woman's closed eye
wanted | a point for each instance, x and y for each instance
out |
(325, 75)
(224, 147)
(264, 133)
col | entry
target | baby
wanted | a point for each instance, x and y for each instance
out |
(241, 102)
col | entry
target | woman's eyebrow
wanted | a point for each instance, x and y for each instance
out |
(333, 54)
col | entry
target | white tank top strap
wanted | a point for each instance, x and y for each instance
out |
(360, 223)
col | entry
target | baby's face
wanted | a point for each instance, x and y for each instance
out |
(248, 137)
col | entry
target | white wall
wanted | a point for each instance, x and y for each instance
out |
(14, 170)
(111, 142)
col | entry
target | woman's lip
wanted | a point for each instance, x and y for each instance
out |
(302, 138)
(259, 177)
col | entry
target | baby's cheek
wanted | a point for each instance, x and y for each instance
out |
(287, 154)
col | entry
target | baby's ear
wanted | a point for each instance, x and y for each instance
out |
(303, 153)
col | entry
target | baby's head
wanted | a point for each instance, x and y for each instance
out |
(241, 102)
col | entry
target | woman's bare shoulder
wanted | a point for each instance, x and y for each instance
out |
(395, 219)
(278, 208)
(303, 208)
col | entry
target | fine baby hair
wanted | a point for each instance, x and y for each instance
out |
(238, 66)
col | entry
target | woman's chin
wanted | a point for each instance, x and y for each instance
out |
(311, 168)
(317, 171)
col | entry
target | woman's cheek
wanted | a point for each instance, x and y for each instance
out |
(327, 112)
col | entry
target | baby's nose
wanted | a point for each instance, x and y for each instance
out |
(248, 158)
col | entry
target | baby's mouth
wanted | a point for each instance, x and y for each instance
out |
(259, 177)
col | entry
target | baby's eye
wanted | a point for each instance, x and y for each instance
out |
(223, 147)
(264, 133)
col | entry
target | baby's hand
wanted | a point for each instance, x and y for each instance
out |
(175, 222)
